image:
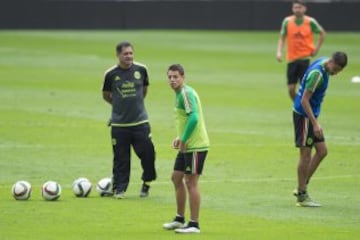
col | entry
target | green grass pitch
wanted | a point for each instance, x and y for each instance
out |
(53, 127)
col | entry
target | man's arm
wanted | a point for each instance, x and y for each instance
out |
(317, 28)
(191, 123)
(305, 102)
(280, 47)
(145, 90)
(282, 38)
(107, 97)
(321, 39)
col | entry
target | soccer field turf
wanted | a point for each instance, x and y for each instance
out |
(53, 127)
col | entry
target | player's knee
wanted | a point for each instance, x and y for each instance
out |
(176, 179)
(190, 183)
(323, 153)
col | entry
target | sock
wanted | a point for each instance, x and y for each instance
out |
(193, 223)
(179, 218)
(301, 192)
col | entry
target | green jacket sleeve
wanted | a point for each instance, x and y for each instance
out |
(190, 126)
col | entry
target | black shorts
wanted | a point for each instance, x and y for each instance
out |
(190, 163)
(304, 131)
(296, 70)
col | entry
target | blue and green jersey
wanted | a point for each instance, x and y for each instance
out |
(316, 81)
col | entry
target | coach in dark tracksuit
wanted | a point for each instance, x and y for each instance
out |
(125, 87)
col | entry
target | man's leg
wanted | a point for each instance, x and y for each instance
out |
(192, 226)
(292, 90)
(194, 196)
(194, 167)
(180, 194)
(320, 154)
(145, 150)
(303, 198)
(121, 161)
(292, 79)
(303, 168)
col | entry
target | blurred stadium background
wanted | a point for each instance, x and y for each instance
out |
(337, 15)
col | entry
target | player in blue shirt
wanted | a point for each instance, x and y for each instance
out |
(308, 132)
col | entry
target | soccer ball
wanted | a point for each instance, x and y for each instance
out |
(51, 190)
(81, 187)
(104, 187)
(21, 190)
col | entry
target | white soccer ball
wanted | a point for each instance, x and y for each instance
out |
(355, 79)
(51, 190)
(104, 187)
(81, 187)
(21, 190)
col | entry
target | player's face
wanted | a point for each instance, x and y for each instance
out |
(126, 57)
(176, 80)
(298, 9)
(333, 68)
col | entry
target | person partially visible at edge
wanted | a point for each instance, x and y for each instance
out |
(124, 88)
(308, 131)
(192, 143)
(299, 31)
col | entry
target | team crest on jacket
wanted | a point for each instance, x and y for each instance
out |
(137, 75)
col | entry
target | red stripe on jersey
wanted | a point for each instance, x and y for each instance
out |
(186, 101)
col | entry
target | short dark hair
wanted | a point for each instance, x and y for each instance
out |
(299, 2)
(122, 45)
(340, 58)
(177, 67)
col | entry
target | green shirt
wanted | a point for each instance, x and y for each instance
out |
(190, 120)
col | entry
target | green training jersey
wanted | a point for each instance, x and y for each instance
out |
(188, 105)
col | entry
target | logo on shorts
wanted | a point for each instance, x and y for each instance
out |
(309, 141)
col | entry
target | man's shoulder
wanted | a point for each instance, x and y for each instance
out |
(313, 22)
(140, 66)
(189, 89)
(111, 69)
(309, 18)
(190, 92)
(286, 20)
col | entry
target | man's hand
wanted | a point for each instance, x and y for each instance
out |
(182, 147)
(176, 143)
(318, 132)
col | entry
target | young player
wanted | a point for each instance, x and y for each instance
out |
(308, 132)
(192, 144)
